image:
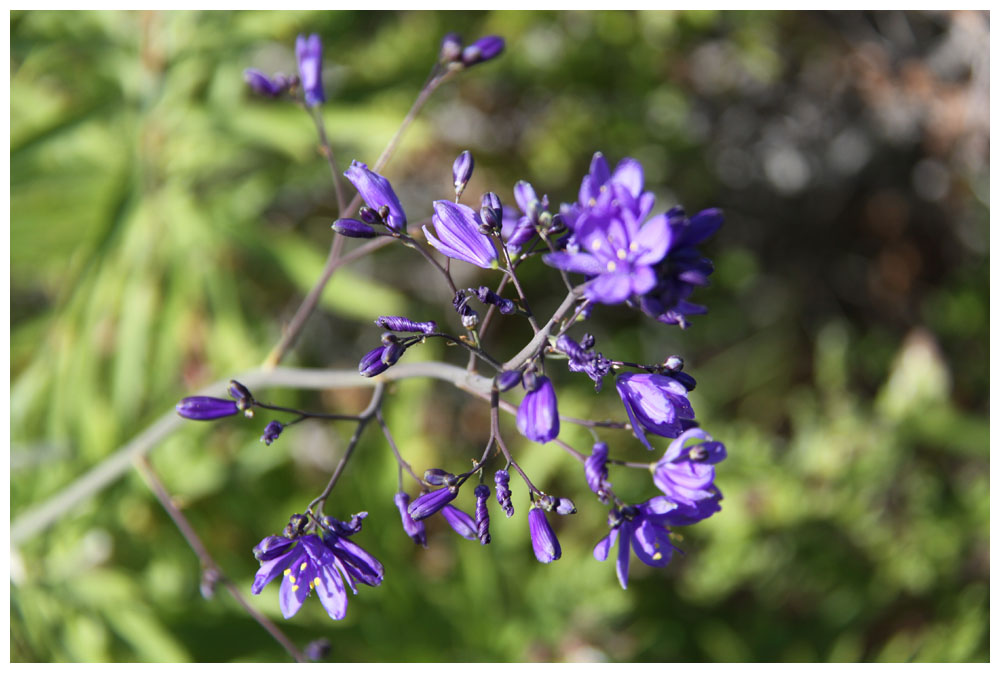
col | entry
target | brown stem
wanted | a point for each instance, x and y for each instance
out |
(207, 562)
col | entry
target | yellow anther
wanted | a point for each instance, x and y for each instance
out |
(657, 556)
(597, 245)
(287, 571)
(612, 266)
(621, 254)
(633, 246)
(592, 202)
(303, 566)
(295, 588)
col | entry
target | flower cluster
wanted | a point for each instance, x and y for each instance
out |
(626, 255)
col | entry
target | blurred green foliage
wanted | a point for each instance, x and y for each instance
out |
(165, 224)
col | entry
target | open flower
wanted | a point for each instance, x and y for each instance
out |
(458, 235)
(656, 404)
(538, 415)
(639, 528)
(324, 562)
(686, 474)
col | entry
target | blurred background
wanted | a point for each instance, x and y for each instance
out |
(166, 223)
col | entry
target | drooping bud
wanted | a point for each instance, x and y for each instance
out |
(400, 324)
(438, 477)
(244, 400)
(317, 650)
(369, 215)
(543, 539)
(488, 296)
(271, 432)
(482, 50)
(502, 481)
(432, 502)
(393, 351)
(461, 171)
(296, 526)
(206, 408)
(595, 468)
(271, 87)
(415, 529)
(451, 48)
(508, 379)
(482, 492)
(491, 213)
(371, 364)
(538, 414)
(353, 228)
(460, 522)
(378, 194)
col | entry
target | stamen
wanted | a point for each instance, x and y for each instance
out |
(612, 266)
(621, 254)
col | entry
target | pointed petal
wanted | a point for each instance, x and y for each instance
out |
(610, 288)
(580, 262)
(629, 173)
(624, 553)
(331, 592)
(603, 547)
(652, 241)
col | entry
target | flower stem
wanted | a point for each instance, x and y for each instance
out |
(208, 563)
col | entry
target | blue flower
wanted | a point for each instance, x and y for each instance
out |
(538, 415)
(686, 474)
(595, 468)
(324, 562)
(202, 408)
(543, 539)
(656, 404)
(639, 528)
(460, 522)
(415, 529)
(458, 236)
(431, 502)
(482, 50)
(267, 86)
(309, 54)
(377, 192)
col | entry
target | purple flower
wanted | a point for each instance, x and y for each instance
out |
(377, 192)
(686, 474)
(309, 54)
(482, 50)
(400, 324)
(458, 236)
(271, 432)
(432, 502)
(656, 404)
(461, 172)
(683, 269)
(321, 562)
(415, 529)
(451, 48)
(461, 523)
(543, 539)
(352, 228)
(508, 379)
(482, 493)
(265, 86)
(641, 529)
(595, 467)
(538, 416)
(619, 254)
(206, 408)
(371, 364)
(502, 481)
(585, 360)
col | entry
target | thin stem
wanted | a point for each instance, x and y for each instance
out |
(477, 352)
(562, 273)
(411, 243)
(298, 321)
(495, 428)
(327, 152)
(626, 463)
(542, 336)
(208, 563)
(403, 465)
(363, 419)
(433, 83)
(307, 414)
(517, 286)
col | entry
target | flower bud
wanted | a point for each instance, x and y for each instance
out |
(240, 393)
(451, 48)
(431, 503)
(461, 171)
(439, 477)
(271, 432)
(371, 364)
(502, 481)
(482, 50)
(353, 228)
(508, 379)
(392, 353)
(491, 213)
(415, 529)
(543, 539)
(482, 492)
(401, 324)
(206, 408)
(460, 522)
(369, 215)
